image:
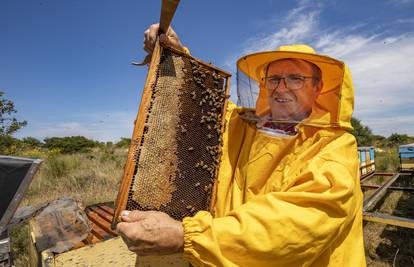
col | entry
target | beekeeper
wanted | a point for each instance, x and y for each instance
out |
(288, 187)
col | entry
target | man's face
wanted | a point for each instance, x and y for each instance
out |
(287, 103)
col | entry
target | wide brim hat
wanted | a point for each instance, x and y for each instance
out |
(254, 66)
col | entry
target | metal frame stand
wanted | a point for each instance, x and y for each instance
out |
(5, 250)
(379, 194)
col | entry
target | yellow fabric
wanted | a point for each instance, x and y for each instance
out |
(186, 50)
(285, 201)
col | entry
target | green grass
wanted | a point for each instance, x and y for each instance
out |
(79, 175)
(20, 245)
(387, 160)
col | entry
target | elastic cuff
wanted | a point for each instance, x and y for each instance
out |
(189, 254)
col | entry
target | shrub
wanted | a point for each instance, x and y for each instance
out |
(388, 160)
(31, 142)
(69, 145)
(399, 139)
(124, 142)
(8, 144)
(20, 244)
(57, 167)
(35, 153)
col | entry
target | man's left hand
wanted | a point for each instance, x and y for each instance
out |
(151, 233)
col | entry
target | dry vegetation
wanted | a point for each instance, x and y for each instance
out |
(94, 177)
(387, 245)
(91, 177)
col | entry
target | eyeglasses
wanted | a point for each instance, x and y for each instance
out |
(292, 82)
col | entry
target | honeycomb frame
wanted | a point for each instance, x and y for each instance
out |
(175, 150)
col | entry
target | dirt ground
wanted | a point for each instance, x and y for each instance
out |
(387, 245)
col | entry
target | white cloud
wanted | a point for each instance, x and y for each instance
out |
(381, 64)
(401, 2)
(382, 76)
(337, 45)
(110, 126)
(389, 125)
(300, 23)
(405, 20)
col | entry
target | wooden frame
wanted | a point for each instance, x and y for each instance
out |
(122, 198)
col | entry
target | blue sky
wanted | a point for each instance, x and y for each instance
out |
(66, 64)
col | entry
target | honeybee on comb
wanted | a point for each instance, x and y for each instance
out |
(179, 128)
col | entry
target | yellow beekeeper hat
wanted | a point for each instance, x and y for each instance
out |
(254, 66)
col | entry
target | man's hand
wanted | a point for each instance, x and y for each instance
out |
(168, 39)
(151, 233)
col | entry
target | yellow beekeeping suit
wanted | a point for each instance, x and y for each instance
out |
(286, 200)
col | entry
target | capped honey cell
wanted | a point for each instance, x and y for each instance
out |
(181, 115)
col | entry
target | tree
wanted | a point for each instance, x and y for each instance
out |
(124, 142)
(396, 139)
(379, 141)
(8, 144)
(70, 144)
(31, 142)
(362, 133)
(8, 123)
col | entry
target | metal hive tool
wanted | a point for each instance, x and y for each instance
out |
(175, 150)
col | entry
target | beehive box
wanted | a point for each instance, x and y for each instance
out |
(96, 245)
(176, 145)
(103, 247)
(406, 154)
(366, 161)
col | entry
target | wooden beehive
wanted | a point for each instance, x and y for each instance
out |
(406, 154)
(176, 145)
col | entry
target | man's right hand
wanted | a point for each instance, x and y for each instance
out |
(168, 39)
